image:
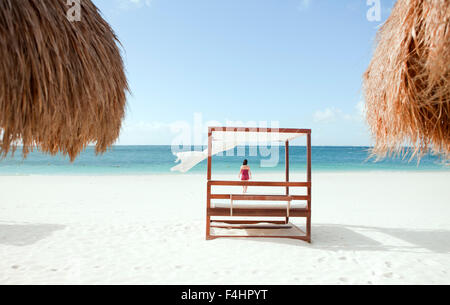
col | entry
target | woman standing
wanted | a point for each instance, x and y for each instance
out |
(245, 174)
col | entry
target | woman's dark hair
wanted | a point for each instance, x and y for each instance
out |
(245, 162)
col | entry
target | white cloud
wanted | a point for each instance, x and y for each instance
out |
(145, 126)
(326, 116)
(304, 5)
(361, 109)
(332, 114)
(146, 2)
(145, 133)
(127, 4)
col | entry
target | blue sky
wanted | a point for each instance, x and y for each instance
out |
(295, 62)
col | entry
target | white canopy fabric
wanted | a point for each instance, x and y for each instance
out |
(227, 140)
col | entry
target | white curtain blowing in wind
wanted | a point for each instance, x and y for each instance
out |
(226, 140)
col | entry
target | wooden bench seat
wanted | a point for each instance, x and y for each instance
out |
(260, 205)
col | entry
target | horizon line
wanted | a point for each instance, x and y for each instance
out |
(205, 145)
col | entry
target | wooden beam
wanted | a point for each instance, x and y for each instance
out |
(243, 226)
(241, 197)
(238, 212)
(208, 186)
(258, 183)
(309, 148)
(309, 179)
(279, 222)
(209, 154)
(308, 174)
(287, 165)
(262, 130)
(303, 238)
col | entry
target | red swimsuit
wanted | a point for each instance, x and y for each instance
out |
(245, 175)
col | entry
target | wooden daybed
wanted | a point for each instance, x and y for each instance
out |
(247, 216)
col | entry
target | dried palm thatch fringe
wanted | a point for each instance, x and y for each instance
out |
(62, 84)
(407, 85)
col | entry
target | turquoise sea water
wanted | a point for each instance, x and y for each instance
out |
(141, 160)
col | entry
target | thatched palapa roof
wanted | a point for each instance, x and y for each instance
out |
(407, 85)
(62, 83)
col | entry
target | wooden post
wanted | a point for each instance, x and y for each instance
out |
(209, 153)
(208, 188)
(287, 171)
(287, 165)
(308, 220)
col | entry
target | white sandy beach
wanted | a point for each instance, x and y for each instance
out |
(368, 228)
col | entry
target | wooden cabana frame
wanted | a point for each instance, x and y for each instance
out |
(282, 212)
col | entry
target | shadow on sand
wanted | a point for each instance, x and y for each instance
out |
(337, 237)
(25, 234)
